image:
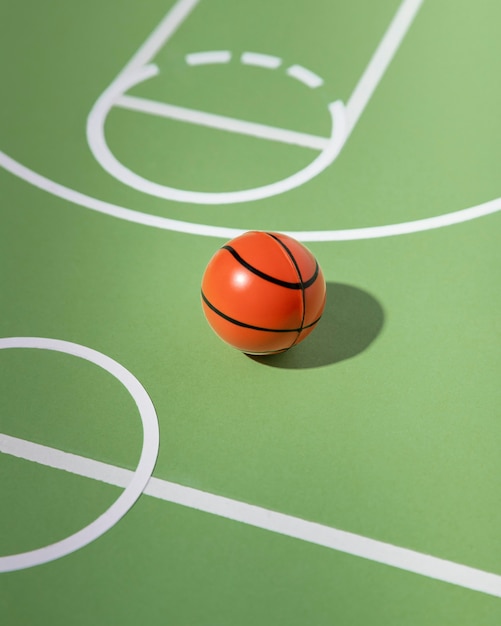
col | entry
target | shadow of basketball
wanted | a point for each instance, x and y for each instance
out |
(351, 321)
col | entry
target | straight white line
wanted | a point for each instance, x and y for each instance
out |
(221, 122)
(57, 459)
(350, 543)
(167, 27)
(261, 60)
(305, 76)
(380, 60)
(208, 57)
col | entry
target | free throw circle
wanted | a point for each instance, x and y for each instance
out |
(141, 475)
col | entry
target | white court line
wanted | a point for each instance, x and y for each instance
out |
(133, 74)
(162, 33)
(222, 122)
(208, 57)
(307, 77)
(319, 534)
(137, 480)
(57, 459)
(261, 60)
(388, 45)
(225, 232)
(96, 138)
(380, 60)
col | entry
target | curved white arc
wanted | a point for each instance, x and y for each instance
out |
(102, 153)
(402, 228)
(99, 112)
(108, 208)
(140, 477)
(224, 232)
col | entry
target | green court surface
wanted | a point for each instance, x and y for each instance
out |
(353, 480)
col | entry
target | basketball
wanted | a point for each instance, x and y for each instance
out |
(263, 292)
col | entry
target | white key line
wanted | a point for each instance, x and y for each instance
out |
(380, 60)
(366, 85)
(171, 22)
(350, 543)
(222, 122)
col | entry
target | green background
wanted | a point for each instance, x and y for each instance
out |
(384, 423)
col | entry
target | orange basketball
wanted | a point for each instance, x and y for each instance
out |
(263, 292)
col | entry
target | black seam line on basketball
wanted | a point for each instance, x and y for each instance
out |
(303, 298)
(271, 279)
(250, 326)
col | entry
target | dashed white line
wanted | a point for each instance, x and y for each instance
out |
(305, 76)
(208, 57)
(261, 60)
(222, 122)
(266, 519)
